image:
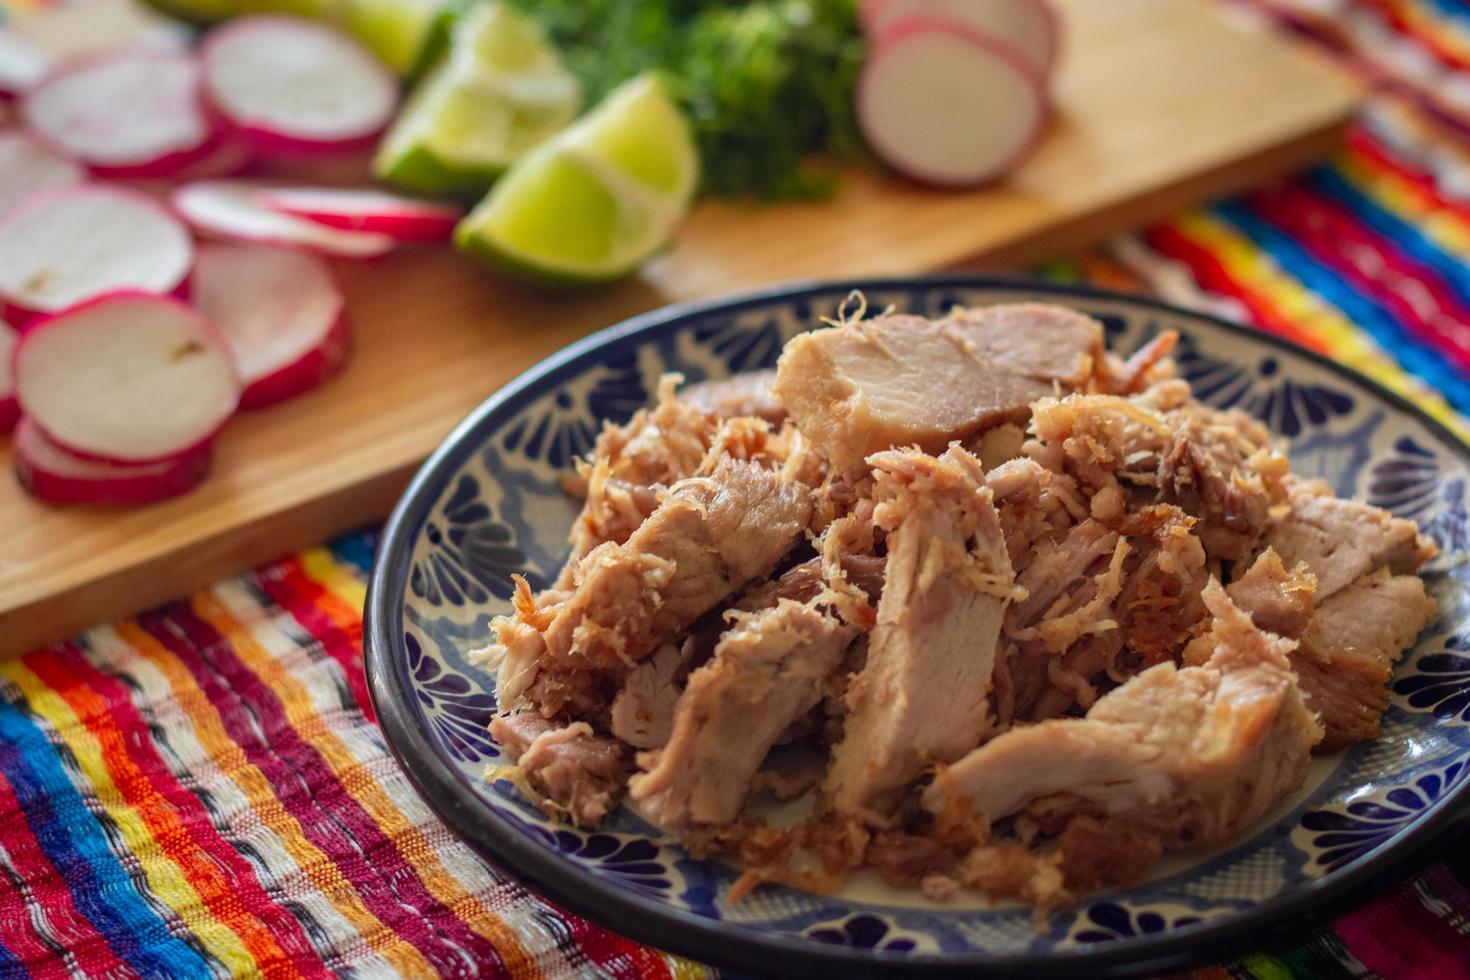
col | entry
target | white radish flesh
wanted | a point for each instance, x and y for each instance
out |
(282, 315)
(22, 63)
(948, 105)
(129, 114)
(403, 218)
(9, 407)
(62, 246)
(233, 211)
(127, 378)
(52, 474)
(27, 166)
(1031, 26)
(294, 86)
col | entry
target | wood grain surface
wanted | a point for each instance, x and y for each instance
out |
(1160, 103)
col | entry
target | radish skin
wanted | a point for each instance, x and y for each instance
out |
(297, 88)
(405, 219)
(127, 378)
(281, 313)
(1031, 26)
(9, 407)
(65, 245)
(27, 166)
(52, 474)
(129, 114)
(948, 105)
(232, 211)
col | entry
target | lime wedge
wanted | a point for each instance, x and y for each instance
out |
(394, 30)
(592, 203)
(500, 92)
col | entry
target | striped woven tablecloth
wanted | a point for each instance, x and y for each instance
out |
(203, 791)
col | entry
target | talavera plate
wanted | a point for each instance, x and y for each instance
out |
(488, 504)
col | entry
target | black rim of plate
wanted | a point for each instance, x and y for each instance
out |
(732, 945)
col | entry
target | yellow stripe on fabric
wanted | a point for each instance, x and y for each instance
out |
(166, 879)
(325, 570)
(1348, 343)
(349, 769)
(682, 969)
(318, 866)
(1393, 193)
(1443, 31)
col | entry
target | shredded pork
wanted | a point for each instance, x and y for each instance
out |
(1008, 612)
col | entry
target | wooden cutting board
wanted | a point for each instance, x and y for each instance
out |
(1160, 104)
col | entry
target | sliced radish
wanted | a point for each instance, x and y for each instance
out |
(297, 87)
(27, 166)
(992, 103)
(55, 475)
(403, 218)
(9, 407)
(69, 244)
(1032, 26)
(23, 63)
(282, 315)
(134, 113)
(234, 211)
(230, 154)
(127, 378)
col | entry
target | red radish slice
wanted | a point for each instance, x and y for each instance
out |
(295, 86)
(127, 378)
(233, 211)
(403, 218)
(947, 104)
(282, 315)
(69, 244)
(22, 63)
(9, 407)
(27, 166)
(55, 475)
(130, 114)
(230, 154)
(1031, 26)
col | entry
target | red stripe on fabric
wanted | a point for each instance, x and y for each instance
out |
(1377, 155)
(1372, 263)
(206, 855)
(289, 587)
(73, 931)
(1211, 274)
(617, 956)
(312, 793)
(1396, 936)
(1445, 55)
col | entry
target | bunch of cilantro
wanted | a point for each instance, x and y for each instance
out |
(768, 84)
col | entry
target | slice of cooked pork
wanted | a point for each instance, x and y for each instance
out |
(1276, 600)
(747, 394)
(1342, 540)
(767, 672)
(921, 697)
(656, 447)
(711, 535)
(1195, 754)
(894, 381)
(1349, 648)
(570, 771)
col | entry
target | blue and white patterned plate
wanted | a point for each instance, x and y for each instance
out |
(488, 504)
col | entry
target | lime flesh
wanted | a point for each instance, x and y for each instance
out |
(593, 203)
(498, 93)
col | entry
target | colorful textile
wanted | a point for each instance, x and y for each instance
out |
(202, 791)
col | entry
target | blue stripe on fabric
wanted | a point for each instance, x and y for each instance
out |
(1427, 364)
(76, 843)
(1457, 10)
(12, 965)
(1408, 239)
(356, 550)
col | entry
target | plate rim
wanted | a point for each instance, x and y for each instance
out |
(724, 944)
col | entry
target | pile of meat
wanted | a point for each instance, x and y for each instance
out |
(1017, 615)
